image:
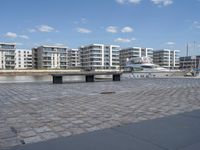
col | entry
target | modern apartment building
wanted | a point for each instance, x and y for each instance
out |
(23, 59)
(7, 55)
(133, 52)
(50, 57)
(166, 58)
(73, 58)
(189, 62)
(99, 56)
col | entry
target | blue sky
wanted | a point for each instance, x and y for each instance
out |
(146, 23)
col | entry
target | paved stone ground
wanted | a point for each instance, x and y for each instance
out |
(33, 112)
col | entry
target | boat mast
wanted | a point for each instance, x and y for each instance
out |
(187, 49)
(195, 66)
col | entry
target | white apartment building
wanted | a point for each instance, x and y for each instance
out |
(167, 58)
(23, 59)
(73, 58)
(50, 57)
(133, 52)
(7, 55)
(189, 62)
(99, 56)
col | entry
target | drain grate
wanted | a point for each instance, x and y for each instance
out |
(13, 130)
(22, 142)
(108, 92)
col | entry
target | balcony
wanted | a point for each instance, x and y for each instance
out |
(10, 60)
(9, 54)
(46, 60)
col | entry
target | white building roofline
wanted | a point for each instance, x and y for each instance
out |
(95, 44)
(166, 50)
(113, 45)
(149, 48)
(23, 49)
(73, 49)
(131, 48)
(52, 46)
(3, 43)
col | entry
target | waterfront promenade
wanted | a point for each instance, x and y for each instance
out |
(35, 112)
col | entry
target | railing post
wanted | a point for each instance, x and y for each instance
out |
(89, 78)
(57, 80)
(116, 77)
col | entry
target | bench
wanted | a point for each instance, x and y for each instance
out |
(89, 76)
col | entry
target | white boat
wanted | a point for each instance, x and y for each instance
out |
(142, 67)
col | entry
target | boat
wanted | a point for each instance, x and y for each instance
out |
(143, 67)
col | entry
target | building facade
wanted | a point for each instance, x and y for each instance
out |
(133, 52)
(7, 55)
(73, 58)
(189, 62)
(50, 57)
(23, 59)
(99, 56)
(166, 58)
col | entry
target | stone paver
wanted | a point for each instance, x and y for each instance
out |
(33, 112)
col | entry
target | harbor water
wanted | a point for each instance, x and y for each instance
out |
(46, 78)
(18, 79)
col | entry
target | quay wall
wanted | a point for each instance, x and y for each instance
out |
(33, 72)
(40, 72)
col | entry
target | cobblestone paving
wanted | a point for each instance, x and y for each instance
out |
(33, 112)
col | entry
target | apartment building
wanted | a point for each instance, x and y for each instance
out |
(132, 52)
(7, 55)
(189, 62)
(167, 58)
(23, 59)
(50, 57)
(99, 56)
(73, 58)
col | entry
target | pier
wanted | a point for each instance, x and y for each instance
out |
(89, 76)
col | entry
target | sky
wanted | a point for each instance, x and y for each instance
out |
(157, 24)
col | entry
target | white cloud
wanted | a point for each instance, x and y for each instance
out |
(81, 21)
(14, 35)
(120, 1)
(84, 20)
(32, 30)
(124, 40)
(162, 2)
(135, 1)
(170, 43)
(84, 30)
(112, 29)
(45, 28)
(127, 30)
(128, 1)
(196, 24)
(24, 37)
(11, 35)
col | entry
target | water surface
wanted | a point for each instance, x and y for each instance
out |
(18, 79)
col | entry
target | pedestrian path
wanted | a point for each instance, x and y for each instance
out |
(177, 132)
